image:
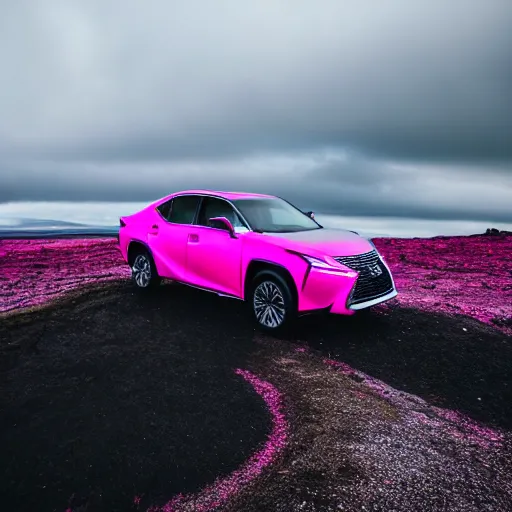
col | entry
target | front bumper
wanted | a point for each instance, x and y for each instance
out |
(344, 291)
(373, 302)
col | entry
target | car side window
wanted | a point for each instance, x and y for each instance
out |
(165, 209)
(183, 209)
(214, 207)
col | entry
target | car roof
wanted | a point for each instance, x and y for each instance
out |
(224, 194)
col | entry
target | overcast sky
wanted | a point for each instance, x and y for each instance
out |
(358, 107)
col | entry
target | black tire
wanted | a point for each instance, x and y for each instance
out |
(144, 273)
(278, 310)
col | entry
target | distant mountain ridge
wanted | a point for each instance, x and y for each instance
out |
(22, 223)
(24, 227)
(40, 228)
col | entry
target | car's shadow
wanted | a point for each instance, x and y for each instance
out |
(451, 361)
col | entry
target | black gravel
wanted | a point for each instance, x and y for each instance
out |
(120, 395)
(115, 395)
(454, 362)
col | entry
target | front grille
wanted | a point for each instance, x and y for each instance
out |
(374, 280)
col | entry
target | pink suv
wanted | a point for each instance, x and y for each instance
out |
(256, 248)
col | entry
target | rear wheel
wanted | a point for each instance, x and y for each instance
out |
(271, 301)
(144, 274)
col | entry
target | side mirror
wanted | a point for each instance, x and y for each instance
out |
(222, 223)
(311, 214)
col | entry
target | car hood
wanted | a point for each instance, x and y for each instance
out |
(333, 242)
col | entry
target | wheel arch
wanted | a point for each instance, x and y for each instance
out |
(136, 247)
(259, 266)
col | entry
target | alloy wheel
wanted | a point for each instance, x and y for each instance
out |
(269, 304)
(142, 271)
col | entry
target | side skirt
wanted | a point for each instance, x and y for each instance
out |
(216, 292)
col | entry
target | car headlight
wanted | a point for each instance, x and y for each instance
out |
(320, 263)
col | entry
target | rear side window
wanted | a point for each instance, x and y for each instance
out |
(183, 209)
(165, 209)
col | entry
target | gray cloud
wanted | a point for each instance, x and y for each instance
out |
(328, 181)
(119, 101)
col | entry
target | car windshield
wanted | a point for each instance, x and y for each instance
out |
(274, 215)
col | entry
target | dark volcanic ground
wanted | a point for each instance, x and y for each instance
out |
(113, 401)
(120, 395)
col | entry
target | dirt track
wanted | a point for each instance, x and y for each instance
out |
(111, 401)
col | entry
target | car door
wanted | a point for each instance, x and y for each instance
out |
(167, 237)
(214, 258)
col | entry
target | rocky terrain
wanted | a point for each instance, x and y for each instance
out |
(116, 402)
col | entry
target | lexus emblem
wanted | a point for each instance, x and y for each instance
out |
(375, 270)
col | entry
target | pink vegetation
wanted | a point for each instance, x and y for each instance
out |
(220, 491)
(452, 422)
(33, 272)
(467, 275)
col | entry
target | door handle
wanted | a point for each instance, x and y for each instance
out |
(154, 229)
(193, 238)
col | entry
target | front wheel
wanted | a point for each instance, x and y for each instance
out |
(144, 274)
(272, 303)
